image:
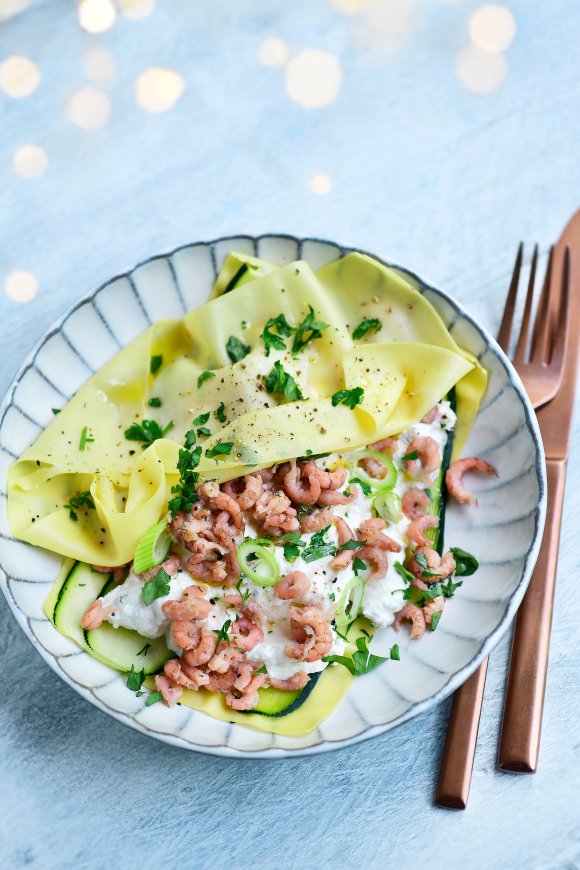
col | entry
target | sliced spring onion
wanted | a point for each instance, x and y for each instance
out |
(388, 506)
(349, 603)
(258, 563)
(152, 548)
(384, 484)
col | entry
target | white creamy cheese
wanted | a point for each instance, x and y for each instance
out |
(130, 610)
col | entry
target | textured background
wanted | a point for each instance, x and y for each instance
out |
(423, 168)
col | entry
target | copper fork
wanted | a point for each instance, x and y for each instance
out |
(540, 362)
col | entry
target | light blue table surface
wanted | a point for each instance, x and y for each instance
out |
(424, 171)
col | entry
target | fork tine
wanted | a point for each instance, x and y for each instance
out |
(505, 329)
(540, 350)
(520, 354)
(561, 331)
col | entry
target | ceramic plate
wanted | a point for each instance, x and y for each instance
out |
(504, 532)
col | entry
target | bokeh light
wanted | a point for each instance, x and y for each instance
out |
(30, 161)
(96, 16)
(480, 71)
(20, 286)
(136, 9)
(350, 7)
(273, 52)
(492, 27)
(382, 31)
(89, 108)
(158, 89)
(99, 64)
(19, 76)
(8, 8)
(313, 78)
(320, 183)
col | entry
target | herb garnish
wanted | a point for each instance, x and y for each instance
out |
(358, 565)
(204, 376)
(83, 499)
(428, 493)
(350, 398)
(222, 448)
(352, 544)
(307, 331)
(185, 494)
(135, 679)
(435, 619)
(402, 571)
(222, 634)
(465, 563)
(154, 402)
(366, 487)
(85, 439)
(363, 660)
(448, 589)
(273, 340)
(153, 698)
(262, 670)
(246, 594)
(408, 456)
(363, 327)
(220, 413)
(292, 544)
(236, 349)
(144, 650)
(147, 431)
(55, 411)
(155, 588)
(280, 382)
(318, 547)
(156, 363)
(421, 560)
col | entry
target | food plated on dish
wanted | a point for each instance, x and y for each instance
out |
(244, 496)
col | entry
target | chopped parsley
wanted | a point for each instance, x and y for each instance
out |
(155, 588)
(190, 439)
(318, 547)
(154, 402)
(185, 495)
(262, 670)
(352, 544)
(448, 589)
(358, 565)
(281, 383)
(350, 398)
(363, 660)
(307, 331)
(85, 439)
(220, 413)
(156, 363)
(365, 325)
(292, 544)
(245, 594)
(236, 349)
(366, 487)
(222, 634)
(147, 431)
(204, 376)
(83, 499)
(422, 561)
(55, 410)
(201, 429)
(402, 571)
(465, 563)
(273, 339)
(153, 698)
(135, 679)
(144, 650)
(428, 493)
(435, 619)
(409, 456)
(223, 448)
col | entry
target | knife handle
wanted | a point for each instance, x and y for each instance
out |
(524, 701)
(459, 751)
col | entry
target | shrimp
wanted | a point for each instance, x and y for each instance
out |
(415, 502)
(253, 611)
(312, 636)
(293, 585)
(429, 457)
(246, 687)
(419, 525)
(370, 531)
(191, 605)
(245, 673)
(373, 467)
(223, 659)
(316, 521)
(249, 495)
(245, 702)
(430, 415)
(386, 445)
(202, 652)
(95, 615)
(293, 684)
(186, 528)
(185, 633)
(221, 501)
(192, 678)
(246, 634)
(327, 479)
(441, 567)
(332, 496)
(432, 607)
(171, 566)
(221, 682)
(295, 488)
(170, 692)
(454, 477)
(378, 559)
(275, 512)
(343, 558)
(415, 615)
(207, 569)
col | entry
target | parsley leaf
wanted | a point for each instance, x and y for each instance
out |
(281, 383)
(307, 331)
(262, 670)
(83, 499)
(273, 340)
(222, 634)
(402, 571)
(153, 698)
(350, 398)
(199, 421)
(435, 619)
(395, 654)
(366, 487)
(421, 560)
(465, 563)
(135, 679)
(55, 411)
(318, 547)
(155, 588)
(408, 456)
(448, 589)
(185, 495)
(156, 363)
(154, 402)
(85, 439)
(147, 431)
(428, 493)
(236, 349)
(362, 660)
(358, 565)
(204, 376)
(221, 413)
(223, 448)
(292, 544)
(363, 327)
(352, 544)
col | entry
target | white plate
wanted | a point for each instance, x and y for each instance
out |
(504, 532)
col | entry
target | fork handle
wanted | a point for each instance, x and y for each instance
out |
(524, 701)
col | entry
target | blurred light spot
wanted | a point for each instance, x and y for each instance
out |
(480, 71)
(273, 52)
(89, 108)
(492, 27)
(29, 161)
(313, 78)
(21, 286)
(96, 16)
(320, 183)
(136, 9)
(99, 64)
(350, 7)
(19, 77)
(381, 32)
(158, 89)
(8, 8)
